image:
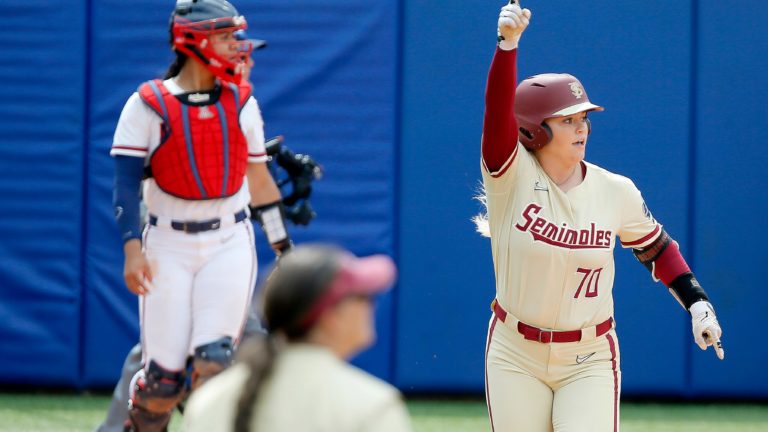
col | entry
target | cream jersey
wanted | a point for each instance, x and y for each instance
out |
(138, 135)
(552, 250)
(310, 390)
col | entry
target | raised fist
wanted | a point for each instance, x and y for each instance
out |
(512, 22)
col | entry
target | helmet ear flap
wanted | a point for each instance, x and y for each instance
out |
(535, 136)
(548, 131)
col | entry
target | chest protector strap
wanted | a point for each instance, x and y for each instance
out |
(203, 153)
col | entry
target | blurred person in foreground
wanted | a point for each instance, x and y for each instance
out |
(317, 305)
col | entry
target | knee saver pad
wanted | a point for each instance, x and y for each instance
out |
(210, 359)
(156, 389)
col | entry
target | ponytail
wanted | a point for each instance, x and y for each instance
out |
(176, 66)
(481, 220)
(258, 354)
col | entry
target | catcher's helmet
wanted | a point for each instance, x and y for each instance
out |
(547, 96)
(194, 21)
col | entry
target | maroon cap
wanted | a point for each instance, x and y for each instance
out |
(354, 276)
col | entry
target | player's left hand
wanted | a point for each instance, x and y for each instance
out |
(706, 329)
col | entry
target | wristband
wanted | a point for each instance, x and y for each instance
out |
(688, 290)
(270, 217)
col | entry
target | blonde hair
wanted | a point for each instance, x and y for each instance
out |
(481, 219)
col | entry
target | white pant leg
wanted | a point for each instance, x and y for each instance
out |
(589, 399)
(223, 287)
(517, 400)
(165, 311)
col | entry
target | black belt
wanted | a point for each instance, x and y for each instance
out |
(199, 226)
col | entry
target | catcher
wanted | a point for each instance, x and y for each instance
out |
(294, 174)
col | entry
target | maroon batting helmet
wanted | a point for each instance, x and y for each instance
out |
(547, 96)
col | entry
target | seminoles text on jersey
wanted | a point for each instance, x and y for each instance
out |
(203, 153)
(551, 233)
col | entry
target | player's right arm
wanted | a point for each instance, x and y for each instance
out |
(499, 142)
(129, 148)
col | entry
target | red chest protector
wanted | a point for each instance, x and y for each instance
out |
(203, 153)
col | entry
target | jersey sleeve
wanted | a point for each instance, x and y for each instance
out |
(132, 135)
(638, 226)
(253, 128)
(500, 145)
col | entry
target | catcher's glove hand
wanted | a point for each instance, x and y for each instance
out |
(706, 329)
(302, 170)
(300, 214)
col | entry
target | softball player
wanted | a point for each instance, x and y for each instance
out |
(197, 137)
(552, 357)
(317, 307)
(301, 171)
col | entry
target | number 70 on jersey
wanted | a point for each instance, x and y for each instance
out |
(589, 282)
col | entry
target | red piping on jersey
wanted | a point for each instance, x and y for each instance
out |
(504, 167)
(499, 140)
(143, 299)
(139, 149)
(612, 346)
(643, 239)
(670, 264)
(487, 391)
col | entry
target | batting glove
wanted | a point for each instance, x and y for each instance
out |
(512, 22)
(706, 329)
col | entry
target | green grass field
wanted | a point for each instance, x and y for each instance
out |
(64, 413)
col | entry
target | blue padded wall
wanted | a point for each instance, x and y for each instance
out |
(41, 159)
(327, 83)
(730, 193)
(447, 280)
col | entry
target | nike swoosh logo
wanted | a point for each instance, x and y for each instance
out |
(706, 315)
(228, 238)
(539, 187)
(582, 359)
